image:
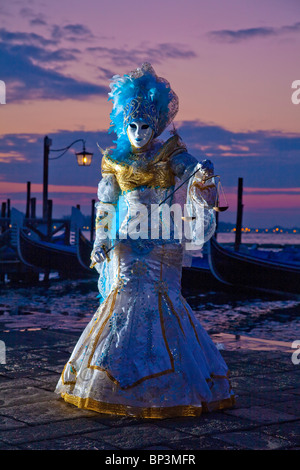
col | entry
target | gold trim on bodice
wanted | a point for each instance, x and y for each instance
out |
(154, 173)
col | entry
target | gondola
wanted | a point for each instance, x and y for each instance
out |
(47, 256)
(11, 267)
(238, 269)
(198, 276)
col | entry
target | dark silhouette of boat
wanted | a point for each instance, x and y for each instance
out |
(10, 263)
(198, 276)
(233, 268)
(48, 256)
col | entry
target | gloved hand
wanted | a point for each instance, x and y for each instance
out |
(98, 255)
(207, 168)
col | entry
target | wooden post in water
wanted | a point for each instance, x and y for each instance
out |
(49, 232)
(8, 208)
(239, 216)
(3, 212)
(28, 200)
(8, 212)
(47, 144)
(49, 219)
(33, 207)
(92, 221)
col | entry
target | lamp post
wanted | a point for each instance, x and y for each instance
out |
(84, 158)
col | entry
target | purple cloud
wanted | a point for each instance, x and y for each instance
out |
(12, 37)
(72, 32)
(234, 36)
(258, 156)
(155, 55)
(24, 65)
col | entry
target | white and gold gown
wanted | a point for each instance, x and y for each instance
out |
(144, 353)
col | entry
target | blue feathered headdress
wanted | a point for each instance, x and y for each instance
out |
(141, 95)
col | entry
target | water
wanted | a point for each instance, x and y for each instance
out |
(261, 238)
(261, 316)
(69, 305)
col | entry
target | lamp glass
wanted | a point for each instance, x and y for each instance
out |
(84, 158)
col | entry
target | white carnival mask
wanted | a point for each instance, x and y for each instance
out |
(139, 133)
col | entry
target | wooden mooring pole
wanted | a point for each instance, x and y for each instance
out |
(27, 215)
(47, 144)
(3, 213)
(8, 207)
(239, 216)
(33, 207)
(49, 218)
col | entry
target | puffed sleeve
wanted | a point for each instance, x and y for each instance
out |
(183, 164)
(201, 199)
(105, 231)
(106, 211)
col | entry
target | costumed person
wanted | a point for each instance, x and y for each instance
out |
(144, 353)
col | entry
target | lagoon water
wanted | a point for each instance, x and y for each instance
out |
(261, 238)
(69, 305)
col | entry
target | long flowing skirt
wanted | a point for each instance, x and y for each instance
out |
(144, 353)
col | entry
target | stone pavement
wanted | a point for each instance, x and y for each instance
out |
(266, 416)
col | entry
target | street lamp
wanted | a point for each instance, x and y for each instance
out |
(84, 158)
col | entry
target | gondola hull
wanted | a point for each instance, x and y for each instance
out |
(198, 279)
(49, 256)
(237, 269)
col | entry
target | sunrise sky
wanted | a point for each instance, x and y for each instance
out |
(231, 62)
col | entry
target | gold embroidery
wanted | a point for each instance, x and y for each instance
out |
(115, 292)
(101, 307)
(69, 382)
(156, 173)
(143, 412)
